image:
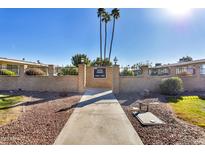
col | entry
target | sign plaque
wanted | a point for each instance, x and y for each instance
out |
(99, 72)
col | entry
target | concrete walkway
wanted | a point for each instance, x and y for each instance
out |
(98, 119)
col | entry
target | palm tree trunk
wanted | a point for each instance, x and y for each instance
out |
(105, 41)
(113, 31)
(100, 40)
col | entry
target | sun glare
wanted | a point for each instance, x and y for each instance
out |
(179, 11)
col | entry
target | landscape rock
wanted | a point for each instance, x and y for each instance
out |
(175, 131)
(146, 93)
(44, 117)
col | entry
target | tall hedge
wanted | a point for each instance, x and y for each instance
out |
(171, 86)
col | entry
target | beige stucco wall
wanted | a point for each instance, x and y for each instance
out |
(86, 79)
(81, 78)
(194, 83)
(40, 83)
(137, 84)
(116, 79)
(92, 82)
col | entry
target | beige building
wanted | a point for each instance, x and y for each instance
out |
(14, 65)
(192, 74)
(190, 68)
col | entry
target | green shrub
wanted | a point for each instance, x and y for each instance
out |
(171, 86)
(72, 71)
(127, 72)
(173, 99)
(69, 71)
(34, 71)
(7, 72)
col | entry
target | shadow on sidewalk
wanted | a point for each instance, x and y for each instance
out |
(94, 100)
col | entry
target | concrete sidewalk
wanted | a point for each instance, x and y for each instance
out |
(98, 119)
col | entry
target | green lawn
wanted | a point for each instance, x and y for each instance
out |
(8, 100)
(6, 115)
(190, 109)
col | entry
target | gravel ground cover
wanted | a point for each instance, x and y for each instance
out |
(175, 131)
(41, 120)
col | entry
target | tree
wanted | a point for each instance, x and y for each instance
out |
(68, 71)
(127, 72)
(185, 59)
(138, 66)
(105, 19)
(77, 59)
(104, 62)
(100, 12)
(115, 14)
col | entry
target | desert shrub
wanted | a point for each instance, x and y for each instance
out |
(171, 86)
(127, 72)
(69, 71)
(7, 72)
(34, 71)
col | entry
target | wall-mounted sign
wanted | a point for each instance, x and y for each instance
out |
(99, 72)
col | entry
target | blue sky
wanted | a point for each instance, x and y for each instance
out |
(54, 35)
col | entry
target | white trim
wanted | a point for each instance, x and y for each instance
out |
(21, 62)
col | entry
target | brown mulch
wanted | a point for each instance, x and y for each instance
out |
(175, 131)
(41, 120)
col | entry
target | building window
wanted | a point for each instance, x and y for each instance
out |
(202, 69)
(158, 71)
(2, 66)
(13, 68)
(185, 70)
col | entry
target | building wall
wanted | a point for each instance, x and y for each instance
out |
(86, 79)
(92, 82)
(40, 83)
(43, 68)
(194, 83)
(137, 84)
(116, 79)
(52, 83)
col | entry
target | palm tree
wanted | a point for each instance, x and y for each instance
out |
(106, 19)
(115, 14)
(100, 12)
